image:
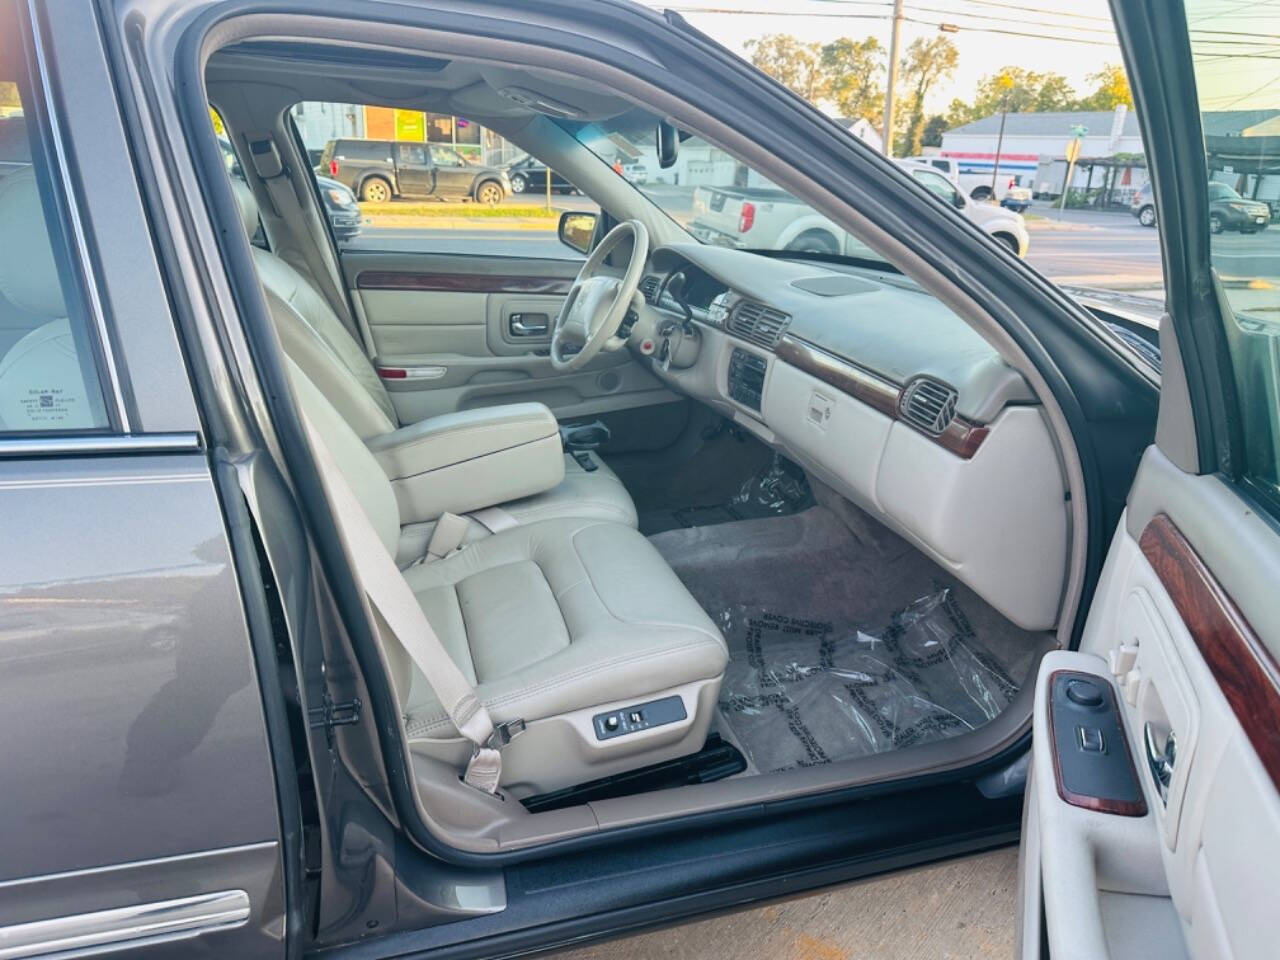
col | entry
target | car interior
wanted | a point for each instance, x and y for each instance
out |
(729, 526)
(732, 525)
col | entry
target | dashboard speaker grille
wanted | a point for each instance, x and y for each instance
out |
(649, 287)
(929, 404)
(758, 324)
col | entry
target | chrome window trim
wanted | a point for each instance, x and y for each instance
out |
(126, 927)
(113, 444)
(77, 230)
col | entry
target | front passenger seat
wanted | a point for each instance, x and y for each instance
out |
(319, 343)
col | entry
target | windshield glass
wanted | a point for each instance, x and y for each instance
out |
(714, 196)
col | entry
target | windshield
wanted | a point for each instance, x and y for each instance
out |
(714, 196)
(1220, 191)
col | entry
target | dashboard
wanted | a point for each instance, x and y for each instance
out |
(883, 394)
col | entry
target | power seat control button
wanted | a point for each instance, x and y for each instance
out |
(641, 716)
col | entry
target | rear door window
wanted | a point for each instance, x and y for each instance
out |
(49, 360)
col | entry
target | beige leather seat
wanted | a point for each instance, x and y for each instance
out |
(553, 622)
(315, 338)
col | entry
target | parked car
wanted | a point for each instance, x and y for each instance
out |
(637, 171)
(1230, 211)
(340, 204)
(762, 217)
(462, 603)
(379, 171)
(1143, 206)
(1017, 199)
(529, 175)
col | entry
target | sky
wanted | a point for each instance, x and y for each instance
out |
(1071, 37)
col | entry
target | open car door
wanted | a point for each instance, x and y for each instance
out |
(1152, 820)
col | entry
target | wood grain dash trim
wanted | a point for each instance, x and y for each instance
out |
(856, 382)
(1244, 668)
(962, 437)
(461, 282)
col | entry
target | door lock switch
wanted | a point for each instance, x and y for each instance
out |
(1091, 740)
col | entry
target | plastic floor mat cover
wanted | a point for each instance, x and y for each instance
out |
(802, 692)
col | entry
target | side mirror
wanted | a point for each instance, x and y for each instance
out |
(577, 230)
(667, 144)
(957, 200)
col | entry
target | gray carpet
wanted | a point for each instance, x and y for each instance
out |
(844, 639)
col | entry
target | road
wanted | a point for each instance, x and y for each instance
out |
(1080, 247)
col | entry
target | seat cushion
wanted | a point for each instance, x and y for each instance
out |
(582, 494)
(590, 495)
(556, 616)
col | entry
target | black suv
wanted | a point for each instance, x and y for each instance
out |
(382, 170)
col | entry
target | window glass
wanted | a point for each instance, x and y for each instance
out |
(382, 170)
(1240, 116)
(444, 157)
(413, 153)
(939, 186)
(48, 368)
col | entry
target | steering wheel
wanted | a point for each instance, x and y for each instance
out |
(596, 304)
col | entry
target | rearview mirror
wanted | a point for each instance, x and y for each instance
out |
(667, 144)
(577, 230)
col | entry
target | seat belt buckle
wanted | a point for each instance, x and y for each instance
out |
(504, 733)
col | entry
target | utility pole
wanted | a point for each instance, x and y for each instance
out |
(892, 79)
(995, 169)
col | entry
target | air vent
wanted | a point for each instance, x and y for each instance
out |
(928, 404)
(758, 324)
(649, 287)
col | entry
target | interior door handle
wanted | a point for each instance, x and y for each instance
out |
(1160, 760)
(529, 325)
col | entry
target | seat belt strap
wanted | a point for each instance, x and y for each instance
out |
(389, 594)
(447, 536)
(494, 519)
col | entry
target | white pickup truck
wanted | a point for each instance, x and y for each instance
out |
(765, 217)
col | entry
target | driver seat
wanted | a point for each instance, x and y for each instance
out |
(319, 343)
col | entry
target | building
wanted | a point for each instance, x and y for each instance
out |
(1034, 151)
(1243, 149)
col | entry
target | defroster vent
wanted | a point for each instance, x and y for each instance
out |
(649, 287)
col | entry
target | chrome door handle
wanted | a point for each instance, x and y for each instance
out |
(522, 328)
(1160, 760)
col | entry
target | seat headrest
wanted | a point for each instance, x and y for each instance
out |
(247, 205)
(28, 272)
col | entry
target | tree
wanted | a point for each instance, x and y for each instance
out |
(792, 63)
(925, 63)
(934, 128)
(1027, 90)
(853, 70)
(1111, 91)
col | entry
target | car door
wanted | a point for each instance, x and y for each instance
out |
(138, 810)
(453, 176)
(415, 173)
(1152, 822)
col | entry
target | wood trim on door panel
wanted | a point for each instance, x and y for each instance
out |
(423, 281)
(1246, 670)
(962, 437)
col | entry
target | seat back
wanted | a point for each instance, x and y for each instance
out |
(316, 339)
(372, 488)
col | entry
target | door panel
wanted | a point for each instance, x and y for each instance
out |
(465, 331)
(1184, 629)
